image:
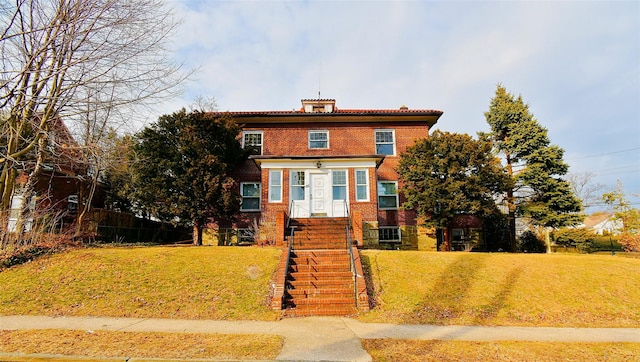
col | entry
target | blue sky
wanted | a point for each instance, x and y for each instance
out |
(577, 64)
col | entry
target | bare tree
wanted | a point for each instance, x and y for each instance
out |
(90, 62)
(583, 186)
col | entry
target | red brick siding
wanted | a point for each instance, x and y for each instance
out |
(345, 139)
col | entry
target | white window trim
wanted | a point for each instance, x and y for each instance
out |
(305, 186)
(272, 185)
(393, 136)
(309, 139)
(254, 132)
(253, 197)
(366, 184)
(345, 185)
(72, 200)
(396, 195)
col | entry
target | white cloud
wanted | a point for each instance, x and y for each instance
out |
(576, 63)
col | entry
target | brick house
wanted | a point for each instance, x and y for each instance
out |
(58, 187)
(325, 162)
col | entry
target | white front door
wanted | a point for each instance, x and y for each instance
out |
(320, 194)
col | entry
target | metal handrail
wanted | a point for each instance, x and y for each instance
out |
(287, 264)
(353, 266)
(351, 256)
(290, 216)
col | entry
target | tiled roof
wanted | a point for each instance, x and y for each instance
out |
(336, 111)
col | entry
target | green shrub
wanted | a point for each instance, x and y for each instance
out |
(582, 239)
(530, 243)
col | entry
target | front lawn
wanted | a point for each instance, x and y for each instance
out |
(563, 290)
(148, 282)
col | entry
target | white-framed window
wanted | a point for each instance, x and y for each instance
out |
(318, 139)
(72, 203)
(389, 234)
(385, 142)
(387, 195)
(362, 185)
(275, 185)
(17, 212)
(339, 183)
(250, 192)
(297, 185)
(252, 140)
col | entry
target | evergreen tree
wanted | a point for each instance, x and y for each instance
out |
(535, 165)
(183, 164)
(448, 174)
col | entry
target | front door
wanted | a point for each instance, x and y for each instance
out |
(320, 195)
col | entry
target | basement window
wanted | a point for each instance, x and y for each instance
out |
(389, 234)
(246, 236)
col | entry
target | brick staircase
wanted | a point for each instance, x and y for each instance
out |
(319, 280)
(320, 233)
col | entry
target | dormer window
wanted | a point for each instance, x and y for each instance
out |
(318, 105)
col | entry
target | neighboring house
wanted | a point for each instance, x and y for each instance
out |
(602, 224)
(464, 233)
(59, 186)
(325, 162)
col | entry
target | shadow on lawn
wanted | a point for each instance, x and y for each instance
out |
(448, 299)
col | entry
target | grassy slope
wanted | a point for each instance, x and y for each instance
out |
(411, 287)
(505, 289)
(160, 282)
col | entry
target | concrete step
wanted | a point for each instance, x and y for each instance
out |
(328, 275)
(321, 310)
(329, 292)
(319, 268)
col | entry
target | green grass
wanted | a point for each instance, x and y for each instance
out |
(562, 290)
(155, 282)
(233, 283)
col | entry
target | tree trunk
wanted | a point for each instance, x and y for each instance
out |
(197, 233)
(86, 204)
(511, 206)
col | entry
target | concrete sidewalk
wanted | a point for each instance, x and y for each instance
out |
(325, 338)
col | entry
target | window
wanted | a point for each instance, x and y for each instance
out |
(250, 196)
(388, 195)
(362, 185)
(318, 139)
(389, 234)
(385, 142)
(252, 140)
(17, 212)
(275, 186)
(72, 203)
(246, 236)
(297, 185)
(339, 182)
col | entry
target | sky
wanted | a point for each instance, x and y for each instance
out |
(576, 63)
